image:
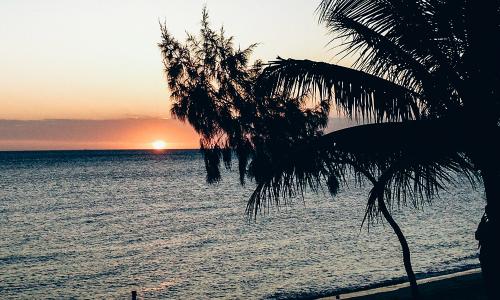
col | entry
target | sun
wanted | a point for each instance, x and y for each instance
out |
(159, 145)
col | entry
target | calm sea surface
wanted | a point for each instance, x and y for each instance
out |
(99, 224)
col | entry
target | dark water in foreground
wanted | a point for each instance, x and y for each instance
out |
(99, 224)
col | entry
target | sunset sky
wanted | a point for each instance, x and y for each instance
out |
(97, 61)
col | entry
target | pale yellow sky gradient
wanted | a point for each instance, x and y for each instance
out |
(99, 60)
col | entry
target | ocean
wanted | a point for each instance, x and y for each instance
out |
(99, 224)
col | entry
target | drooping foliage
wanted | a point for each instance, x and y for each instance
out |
(213, 87)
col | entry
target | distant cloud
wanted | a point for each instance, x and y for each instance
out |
(131, 133)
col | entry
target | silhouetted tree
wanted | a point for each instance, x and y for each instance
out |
(408, 85)
(429, 70)
(213, 87)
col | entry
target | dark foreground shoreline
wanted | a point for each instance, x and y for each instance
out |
(462, 285)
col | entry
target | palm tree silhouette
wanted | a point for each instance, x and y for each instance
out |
(428, 70)
(421, 79)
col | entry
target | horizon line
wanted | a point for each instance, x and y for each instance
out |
(131, 149)
(100, 119)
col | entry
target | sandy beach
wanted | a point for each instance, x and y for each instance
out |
(461, 285)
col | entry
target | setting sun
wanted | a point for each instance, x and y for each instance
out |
(159, 145)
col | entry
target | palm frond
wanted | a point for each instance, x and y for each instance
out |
(359, 95)
(378, 33)
(410, 161)
(366, 26)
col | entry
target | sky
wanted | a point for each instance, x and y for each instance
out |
(98, 60)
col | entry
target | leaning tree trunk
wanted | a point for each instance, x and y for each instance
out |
(404, 246)
(379, 193)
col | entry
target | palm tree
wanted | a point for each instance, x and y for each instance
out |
(416, 90)
(427, 69)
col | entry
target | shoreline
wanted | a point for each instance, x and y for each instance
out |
(459, 285)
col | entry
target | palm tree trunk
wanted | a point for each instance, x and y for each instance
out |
(395, 227)
(404, 246)
(485, 154)
(487, 232)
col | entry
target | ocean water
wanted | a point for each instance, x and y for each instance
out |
(99, 224)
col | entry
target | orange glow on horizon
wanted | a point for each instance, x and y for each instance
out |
(96, 134)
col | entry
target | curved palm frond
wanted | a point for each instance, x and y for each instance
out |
(357, 94)
(411, 161)
(436, 37)
(378, 32)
